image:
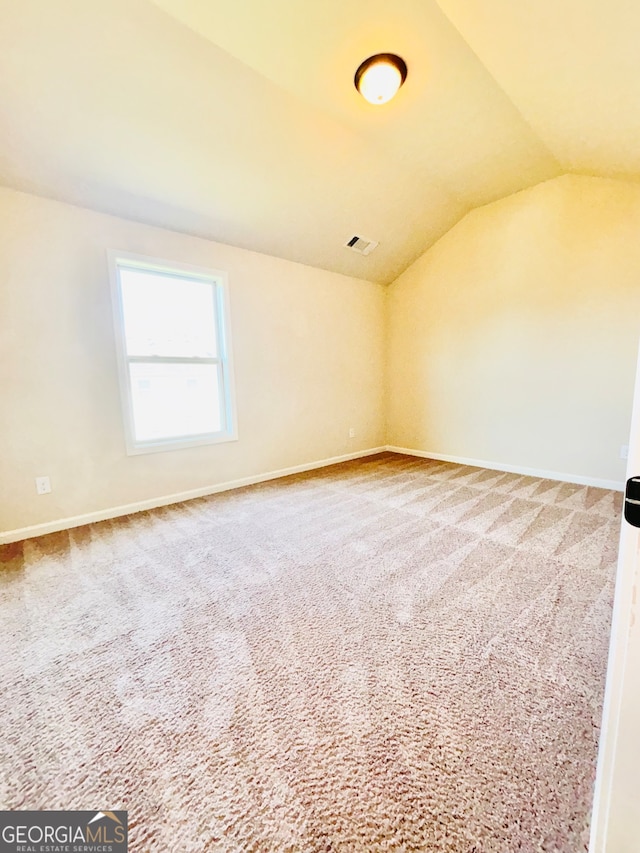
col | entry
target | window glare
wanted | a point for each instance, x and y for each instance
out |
(167, 316)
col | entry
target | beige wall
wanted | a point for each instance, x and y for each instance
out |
(308, 349)
(513, 340)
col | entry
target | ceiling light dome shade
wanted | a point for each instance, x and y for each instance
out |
(379, 77)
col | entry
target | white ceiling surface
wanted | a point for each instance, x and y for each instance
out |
(237, 120)
(573, 70)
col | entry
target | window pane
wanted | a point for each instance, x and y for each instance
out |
(173, 400)
(168, 316)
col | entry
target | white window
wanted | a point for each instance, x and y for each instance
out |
(172, 333)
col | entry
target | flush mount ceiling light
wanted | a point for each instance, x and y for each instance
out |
(379, 77)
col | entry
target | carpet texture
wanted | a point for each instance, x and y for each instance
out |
(391, 654)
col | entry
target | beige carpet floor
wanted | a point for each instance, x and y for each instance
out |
(392, 654)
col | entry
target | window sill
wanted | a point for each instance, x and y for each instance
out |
(163, 445)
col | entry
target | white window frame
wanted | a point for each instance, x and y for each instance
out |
(218, 280)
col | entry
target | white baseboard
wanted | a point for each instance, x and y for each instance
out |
(616, 485)
(127, 509)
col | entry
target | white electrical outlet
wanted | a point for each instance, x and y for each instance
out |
(624, 451)
(352, 432)
(43, 485)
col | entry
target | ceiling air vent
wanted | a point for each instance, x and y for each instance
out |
(361, 245)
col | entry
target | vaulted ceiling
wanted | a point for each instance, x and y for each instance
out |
(238, 120)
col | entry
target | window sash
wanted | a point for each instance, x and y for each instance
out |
(223, 402)
(172, 359)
